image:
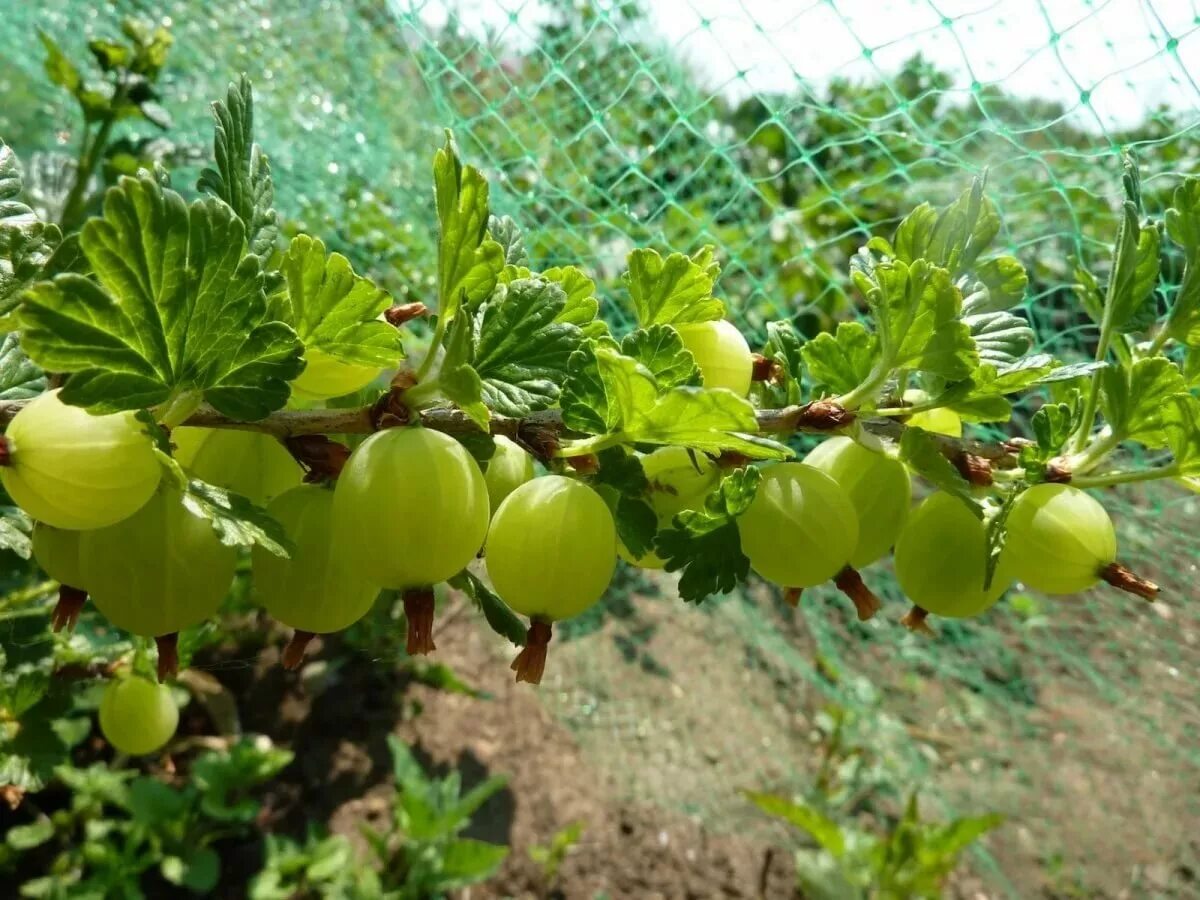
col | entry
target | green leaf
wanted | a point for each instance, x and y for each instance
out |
(499, 617)
(840, 362)
(922, 453)
(637, 524)
(604, 390)
(237, 521)
(13, 213)
(1183, 227)
(1053, 426)
(468, 261)
(466, 861)
(948, 841)
(916, 309)
(1181, 420)
(199, 871)
(1134, 400)
(521, 347)
(26, 837)
(15, 530)
(334, 310)
(913, 234)
(621, 470)
(660, 349)
(708, 420)
(179, 308)
(785, 349)
(1000, 337)
(109, 54)
(1135, 259)
(826, 832)
(673, 291)
(154, 804)
(705, 544)
(582, 306)
(59, 69)
(507, 233)
(242, 177)
(20, 379)
(1004, 281)
(458, 380)
(996, 533)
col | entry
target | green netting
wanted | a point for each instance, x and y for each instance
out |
(785, 134)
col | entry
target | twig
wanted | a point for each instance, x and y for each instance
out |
(536, 429)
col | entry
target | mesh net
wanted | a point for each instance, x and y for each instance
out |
(785, 134)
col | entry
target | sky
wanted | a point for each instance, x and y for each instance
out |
(1107, 61)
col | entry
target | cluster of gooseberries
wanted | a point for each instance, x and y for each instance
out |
(412, 508)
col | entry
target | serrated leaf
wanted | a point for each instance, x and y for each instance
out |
(922, 453)
(711, 421)
(826, 832)
(20, 379)
(1183, 227)
(522, 348)
(1181, 420)
(1134, 399)
(621, 470)
(1001, 338)
(964, 230)
(507, 233)
(468, 261)
(1135, 259)
(582, 306)
(783, 348)
(242, 177)
(59, 68)
(13, 213)
(15, 529)
(1005, 281)
(636, 523)
(236, 521)
(916, 309)
(838, 363)
(911, 240)
(458, 380)
(334, 310)
(671, 291)
(178, 308)
(705, 544)
(660, 349)
(502, 620)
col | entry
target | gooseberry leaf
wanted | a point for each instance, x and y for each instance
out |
(922, 452)
(458, 380)
(522, 348)
(15, 530)
(20, 379)
(177, 308)
(621, 470)
(916, 310)
(242, 177)
(1134, 399)
(1001, 338)
(1135, 263)
(671, 291)
(1183, 227)
(999, 284)
(507, 233)
(1053, 426)
(582, 306)
(839, 362)
(1181, 420)
(468, 260)
(784, 349)
(502, 620)
(660, 349)
(704, 545)
(13, 213)
(237, 521)
(711, 421)
(636, 524)
(334, 310)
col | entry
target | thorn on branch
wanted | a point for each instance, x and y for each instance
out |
(1057, 472)
(823, 415)
(850, 583)
(1120, 577)
(975, 469)
(404, 312)
(322, 458)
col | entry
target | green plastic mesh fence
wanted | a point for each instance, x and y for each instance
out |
(786, 134)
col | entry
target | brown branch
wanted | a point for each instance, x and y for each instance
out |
(540, 431)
